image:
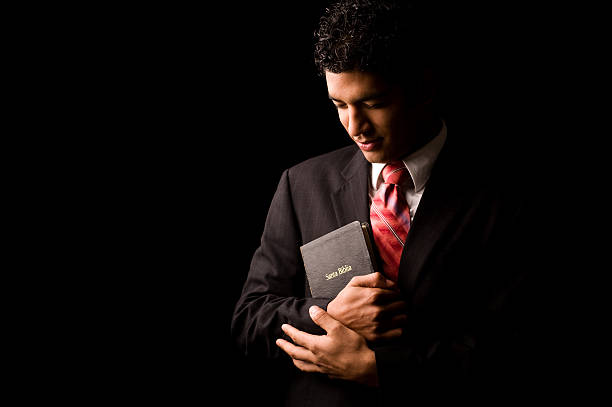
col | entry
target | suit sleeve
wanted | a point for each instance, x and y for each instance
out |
(274, 291)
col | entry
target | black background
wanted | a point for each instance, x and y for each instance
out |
(224, 99)
(185, 118)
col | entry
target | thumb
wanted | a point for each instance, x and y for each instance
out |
(323, 319)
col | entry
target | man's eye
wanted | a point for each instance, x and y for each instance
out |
(340, 106)
(374, 105)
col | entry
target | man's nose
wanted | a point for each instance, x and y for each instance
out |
(357, 122)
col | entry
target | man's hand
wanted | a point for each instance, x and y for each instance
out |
(341, 354)
(371, 306)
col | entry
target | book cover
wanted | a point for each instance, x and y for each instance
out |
(333, 259)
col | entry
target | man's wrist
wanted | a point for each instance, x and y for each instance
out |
(371, 372)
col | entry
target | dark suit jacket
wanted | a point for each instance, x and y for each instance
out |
(464, 272)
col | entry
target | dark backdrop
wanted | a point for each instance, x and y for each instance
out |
(275, 113)
(278, 114)
(204, 108)
(226, 98)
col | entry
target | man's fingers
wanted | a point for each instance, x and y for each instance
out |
(391, 334)
(300, 337)
(397, 321)
(295, 352)
(302, 358)
(373, 280)
(323, 319)
(396, 306)
(382, 295)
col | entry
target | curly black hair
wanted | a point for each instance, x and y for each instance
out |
(381, 36)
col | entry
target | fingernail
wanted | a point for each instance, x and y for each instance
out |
(314, 311)
(284, 327)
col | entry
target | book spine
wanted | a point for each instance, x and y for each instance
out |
(365, 227)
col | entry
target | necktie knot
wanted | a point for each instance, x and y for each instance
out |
(395, 173)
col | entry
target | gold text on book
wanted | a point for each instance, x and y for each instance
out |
(341, 270)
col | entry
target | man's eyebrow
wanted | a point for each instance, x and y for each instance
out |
(371, 96)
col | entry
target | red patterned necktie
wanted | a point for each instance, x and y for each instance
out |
(390, 217)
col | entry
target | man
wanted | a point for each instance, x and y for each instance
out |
(449, 308)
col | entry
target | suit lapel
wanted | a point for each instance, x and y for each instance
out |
(350, 200)
(442, 200)
(439, 206)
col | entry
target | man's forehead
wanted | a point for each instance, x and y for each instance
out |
(355, 86)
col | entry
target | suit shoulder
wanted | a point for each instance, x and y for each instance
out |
(324, 171)
(331, 161)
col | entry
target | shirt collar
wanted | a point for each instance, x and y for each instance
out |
(419, 163)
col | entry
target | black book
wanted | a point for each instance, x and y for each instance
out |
(333, 259)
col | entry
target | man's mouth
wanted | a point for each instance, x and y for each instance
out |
(369, 145)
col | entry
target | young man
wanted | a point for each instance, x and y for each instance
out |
(449, 307)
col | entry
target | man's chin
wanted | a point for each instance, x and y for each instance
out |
(374, 156)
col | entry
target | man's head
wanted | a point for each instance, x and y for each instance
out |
(374, 56)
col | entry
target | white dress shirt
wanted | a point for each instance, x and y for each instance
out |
(419, 166)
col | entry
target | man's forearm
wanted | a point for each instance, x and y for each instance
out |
(257, 321)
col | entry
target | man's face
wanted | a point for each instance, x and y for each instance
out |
(376, 115)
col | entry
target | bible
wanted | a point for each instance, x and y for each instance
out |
(333, 259)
